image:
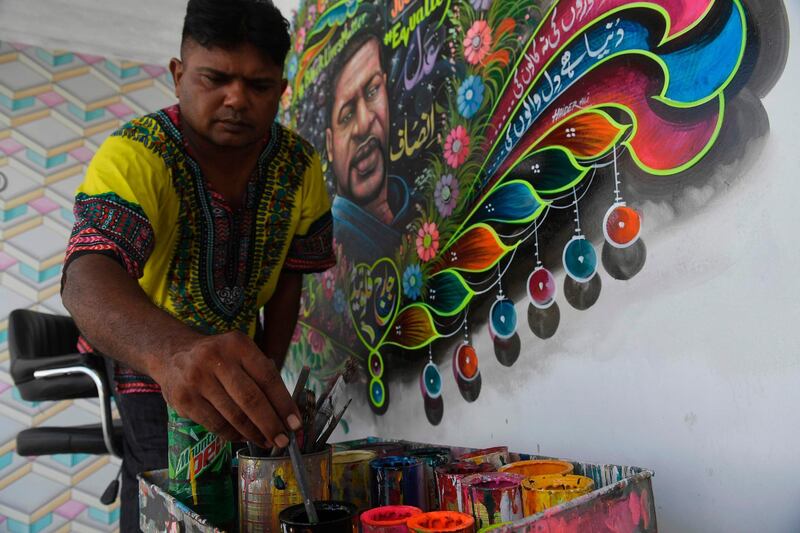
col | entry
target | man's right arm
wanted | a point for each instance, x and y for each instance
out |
(223, 382)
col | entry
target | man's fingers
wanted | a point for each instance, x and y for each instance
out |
(250, 398)
(220, 399)
(206, 415)
(268, 379)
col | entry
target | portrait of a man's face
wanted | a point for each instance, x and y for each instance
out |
(357, 136)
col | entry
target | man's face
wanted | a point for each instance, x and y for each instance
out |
(356, 141)
(229, 97)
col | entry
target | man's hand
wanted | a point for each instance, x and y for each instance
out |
(226, 384)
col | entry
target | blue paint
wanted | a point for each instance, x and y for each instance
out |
(580, 259)
(6, 459)
(19, 103)
(54, 60)
(122, 72)
(46, 162)
(398, 480)
(11, 214)
(699, 70)
(503, 318)
(432, 380)
(39, 276)
(514, 202)
(70, 459)
(446, 293)
(86, 116)
(67, 215)
(15, 526)
(98, 515)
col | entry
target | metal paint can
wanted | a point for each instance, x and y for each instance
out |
(493, 497)
(351, 474)
(397, 480)
(542, 492)
(431, 458)
(448, 482)
(334, 517)
(538, 467)
(442, 521)
(388, 519)
(267, 486)
(497, 456)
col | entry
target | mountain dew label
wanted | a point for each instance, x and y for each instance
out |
(208, 452)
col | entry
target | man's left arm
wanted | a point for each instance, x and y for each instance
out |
(280, 316)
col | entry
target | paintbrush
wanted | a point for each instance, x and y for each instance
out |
(300, 477)
(328, 389)
(299, 387)
(323, 439)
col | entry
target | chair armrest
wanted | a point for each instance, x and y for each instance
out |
(63, 387)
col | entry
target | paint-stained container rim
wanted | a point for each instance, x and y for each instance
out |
(441, 521)
(464, 468)
(283, 458)
(569, 484)
(332, 513)
(395, 462)
(389, 515)
(538, 467)
(353, 456)
(485, 481)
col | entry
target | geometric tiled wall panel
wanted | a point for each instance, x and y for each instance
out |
(56, 107)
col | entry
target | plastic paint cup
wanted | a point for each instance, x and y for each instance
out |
(334, 517)
(398, 480)
(493, 497)
(538, 467)
(448, 482)
(543, 492)
(431, 458)
(267, 486)
(388, 519)
(351, 475)
(497, 456)
(442, 521)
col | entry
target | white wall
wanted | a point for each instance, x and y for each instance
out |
(692, 368)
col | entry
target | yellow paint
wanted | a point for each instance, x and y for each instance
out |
(542, 492)
(538, 467)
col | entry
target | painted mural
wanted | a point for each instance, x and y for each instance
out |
(477, 150)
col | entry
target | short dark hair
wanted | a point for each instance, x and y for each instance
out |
(337, 65)
(229, 23)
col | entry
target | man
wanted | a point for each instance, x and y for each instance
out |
(371, 207)
(189, 221)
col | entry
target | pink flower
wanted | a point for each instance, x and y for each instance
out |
(456, 147)
(300, 39)
(316, 340)
(297, 333)
(477, 42)
(328, 283)
(427, 241)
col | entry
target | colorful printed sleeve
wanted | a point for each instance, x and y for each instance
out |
(116, 206)
(311, 249)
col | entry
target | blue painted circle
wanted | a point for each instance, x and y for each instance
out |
(580, 259)
(431, 381)
(503, 319)
(377, 394)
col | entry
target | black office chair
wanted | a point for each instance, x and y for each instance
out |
(45, 366)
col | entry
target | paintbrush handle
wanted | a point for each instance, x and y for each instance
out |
(300, 476)
(323, 439)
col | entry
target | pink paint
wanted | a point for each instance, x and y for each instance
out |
(43, 205)
(89, 58)
(154, 71)
(4, 387)
(566, 20)
(6, 261)
(120, 110)
(9, 146)
(82, 154)
(71, 509)
(388, 519)
(51, 99)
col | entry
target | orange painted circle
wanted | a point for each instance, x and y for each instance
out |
(622, 225)
(467, 362)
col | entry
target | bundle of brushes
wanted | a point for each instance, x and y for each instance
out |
(320, 416)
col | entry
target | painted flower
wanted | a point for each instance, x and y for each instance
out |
(470, 96)
(481, 5)
(477, 42)
(456, 147)
(300, 39)
(316, 341)
(338, 301)
(412, 281)
(328, 283)
(427, 241)
(446, 194)
(297, 334)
